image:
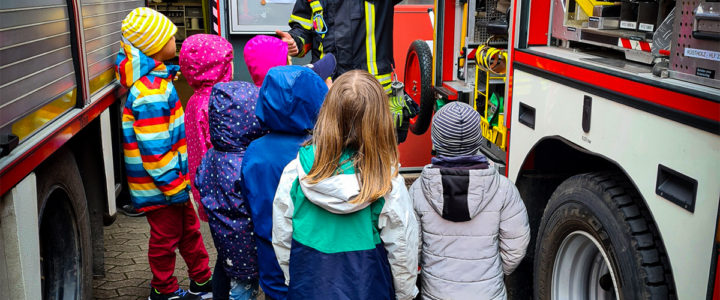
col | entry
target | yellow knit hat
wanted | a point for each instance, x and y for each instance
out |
(147, 30)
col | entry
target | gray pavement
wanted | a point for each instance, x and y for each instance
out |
(127, 273)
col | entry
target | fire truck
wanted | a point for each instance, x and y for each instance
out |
(606, 115)
(59, 148)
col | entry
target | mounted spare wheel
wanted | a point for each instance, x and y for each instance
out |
(595, 242)
(418, 84)
(65, 248)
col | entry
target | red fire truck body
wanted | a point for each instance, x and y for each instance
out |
(618, 167)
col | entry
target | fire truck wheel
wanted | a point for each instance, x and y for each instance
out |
(65, 248)
(418, 84)
(593, 236)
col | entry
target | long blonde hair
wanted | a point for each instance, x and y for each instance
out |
(356, 116)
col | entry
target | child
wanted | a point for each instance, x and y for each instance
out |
(232, 127)
(473, 222)
(262, 53)
(343, 226)
(205, 59)
(155, 153)
(290, 99)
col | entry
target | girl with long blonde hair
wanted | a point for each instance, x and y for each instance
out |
(343, 224)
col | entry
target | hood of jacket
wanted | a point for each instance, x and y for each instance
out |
(131, 65)
(205, 60)
(290, 99)
(231, 116)
(446, 184)
(263, 52)
(335, 193)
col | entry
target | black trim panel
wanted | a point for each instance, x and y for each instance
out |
(643, 80)
(653, 108)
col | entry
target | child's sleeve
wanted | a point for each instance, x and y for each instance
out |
(399, 233)
(282, 228)
(514, 230)
(301, 26)
(415, 195)
(159, 130)
(204, 128)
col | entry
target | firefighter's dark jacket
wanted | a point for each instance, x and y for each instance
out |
(344, 33)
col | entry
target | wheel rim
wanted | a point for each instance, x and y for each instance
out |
(413, 82)
(581, 270)
(60, 249)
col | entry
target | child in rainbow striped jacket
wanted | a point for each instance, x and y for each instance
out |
(156, 154)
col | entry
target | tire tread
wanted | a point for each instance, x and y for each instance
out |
(626, 204)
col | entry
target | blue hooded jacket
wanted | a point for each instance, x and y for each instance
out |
(289, 102)
(233, 126)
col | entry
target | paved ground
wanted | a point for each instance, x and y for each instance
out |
(127, 273)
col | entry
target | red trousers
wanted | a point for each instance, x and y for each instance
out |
(172, 227)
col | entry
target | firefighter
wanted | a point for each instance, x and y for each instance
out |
(359, 34)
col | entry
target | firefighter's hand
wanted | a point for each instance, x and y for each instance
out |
(328, 82)
(287, 38)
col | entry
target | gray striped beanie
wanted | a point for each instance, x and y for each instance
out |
(456, 130)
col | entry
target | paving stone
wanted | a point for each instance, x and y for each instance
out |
(112, 253)
(136, 291)
(110, 243)
(119, 261)
(137, 242)
(139, 274)
(125, 248)
(128, 274)
(135, 267)
(129, 235)
(133, 254)
(97, 283)
(117, 285)
(109, 276)
(104, 294)
(129, 297)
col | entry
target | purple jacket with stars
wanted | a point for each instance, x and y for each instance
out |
(232, 127)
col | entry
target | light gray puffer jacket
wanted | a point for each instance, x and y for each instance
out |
(474, 228)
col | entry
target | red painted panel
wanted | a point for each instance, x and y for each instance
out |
(682, 102)
(411, 23)
(27, 162)
(508, 101)
(539, 22)
(448, 41)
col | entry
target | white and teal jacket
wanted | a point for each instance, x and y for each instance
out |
(329, 248)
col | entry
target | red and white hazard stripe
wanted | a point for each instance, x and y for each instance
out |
(633, 44)
(215, 18)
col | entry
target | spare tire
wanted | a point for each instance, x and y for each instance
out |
(418, 84)
(595, 242)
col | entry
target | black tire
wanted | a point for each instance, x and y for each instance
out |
(419, 59)
(65, 246)
(603, 205)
